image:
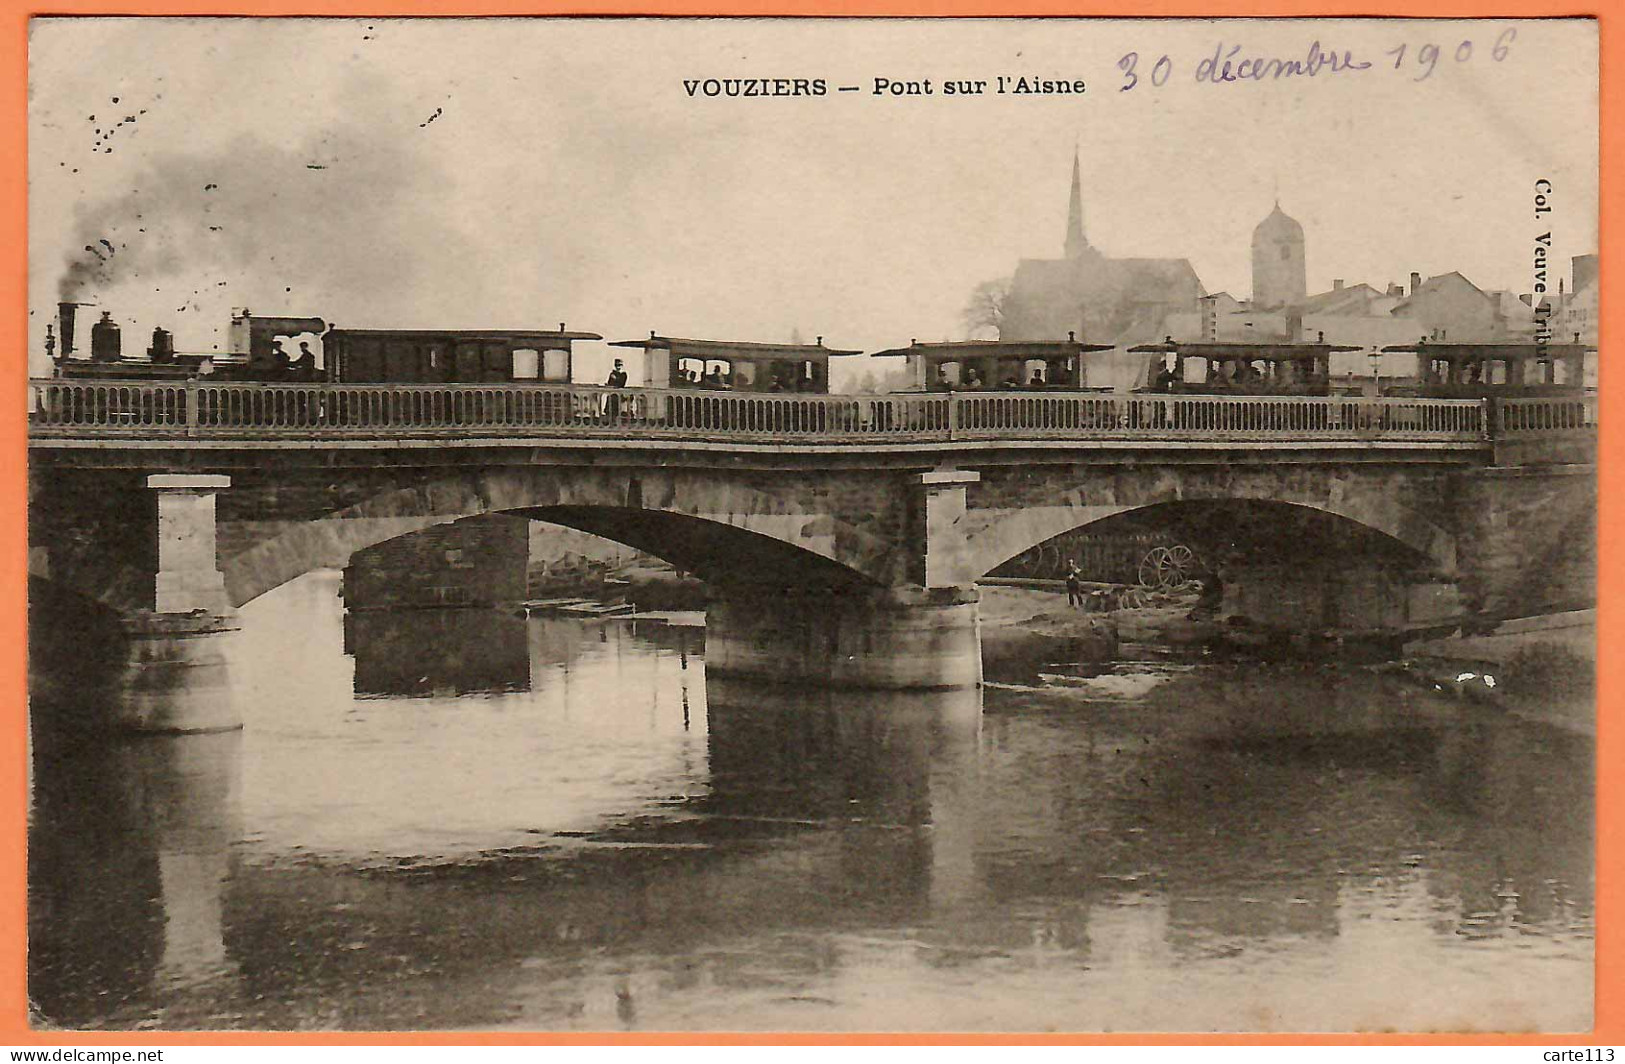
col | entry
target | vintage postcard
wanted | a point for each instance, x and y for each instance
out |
(833, 525)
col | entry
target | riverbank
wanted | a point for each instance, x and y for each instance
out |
(1542, 668)
(1547, 665)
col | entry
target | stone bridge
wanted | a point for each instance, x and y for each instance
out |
(872, 543)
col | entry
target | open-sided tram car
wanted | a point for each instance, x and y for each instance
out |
(735, 365)
(1214, 368)
(1508, 370)
(697, 384)
(984, 365)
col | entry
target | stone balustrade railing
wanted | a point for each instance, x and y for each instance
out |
(77, 408)
(1514, 417)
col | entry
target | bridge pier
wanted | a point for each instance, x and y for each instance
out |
(947, 554)
(155, 662)
(188, 578)
(174, 676)
(900, 639)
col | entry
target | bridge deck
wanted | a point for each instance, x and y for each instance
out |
(66, 410)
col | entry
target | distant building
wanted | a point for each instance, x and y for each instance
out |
(1450, 307)
(1096, 298)
(1274, 313)
(1359, 315)
(1574, 316)
(1279, 274)
(1579, 316)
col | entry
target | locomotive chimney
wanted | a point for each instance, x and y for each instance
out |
(163, 346)
(105, 345)
(64, 320)
(1416, 282)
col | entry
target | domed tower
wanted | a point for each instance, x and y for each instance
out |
(1279, 278)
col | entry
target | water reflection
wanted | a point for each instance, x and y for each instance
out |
(624, 844)
(131, 848)
(411, 652)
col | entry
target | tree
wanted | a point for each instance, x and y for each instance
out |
(984, 313)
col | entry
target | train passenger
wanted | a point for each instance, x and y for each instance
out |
(1038, 379)
(714, 379)
(612, 401)
(303, 368)
(973, 380)
(1165, 379)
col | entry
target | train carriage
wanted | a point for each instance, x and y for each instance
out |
(1507, 370)
(1222, 368)
(983, 365)
(721, 384)
(451, 356)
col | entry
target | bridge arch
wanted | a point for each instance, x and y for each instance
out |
(719, 528)
(1008, 536)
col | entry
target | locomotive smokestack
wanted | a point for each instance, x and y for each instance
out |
(64, 326)
(163, 346)
(105, 343)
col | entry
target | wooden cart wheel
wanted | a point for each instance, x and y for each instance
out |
(1180, 568)
(1167, 568)
(1151, 567)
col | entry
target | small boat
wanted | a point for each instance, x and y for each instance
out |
(554, 603)
(598, 609)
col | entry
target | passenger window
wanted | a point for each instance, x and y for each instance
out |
(556, 364)
(527, 364)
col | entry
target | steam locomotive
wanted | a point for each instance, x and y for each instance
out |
(285, 349)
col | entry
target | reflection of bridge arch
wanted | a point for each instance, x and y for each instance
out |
(717, 527)
(1002, 540)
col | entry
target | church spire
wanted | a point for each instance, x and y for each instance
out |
(1076, 242)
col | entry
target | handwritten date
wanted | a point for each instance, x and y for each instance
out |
(1233, 65)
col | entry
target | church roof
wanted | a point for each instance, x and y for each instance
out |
(1165, 271)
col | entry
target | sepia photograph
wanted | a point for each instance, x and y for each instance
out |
(834, 525)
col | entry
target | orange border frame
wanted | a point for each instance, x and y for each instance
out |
(1610, 835)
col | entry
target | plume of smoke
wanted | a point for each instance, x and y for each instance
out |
(350, 214)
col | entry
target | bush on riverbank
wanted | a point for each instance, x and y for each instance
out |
(1550, 672)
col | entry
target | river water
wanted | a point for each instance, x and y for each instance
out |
(474, 821)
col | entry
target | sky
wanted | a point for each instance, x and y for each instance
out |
(521, 173)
